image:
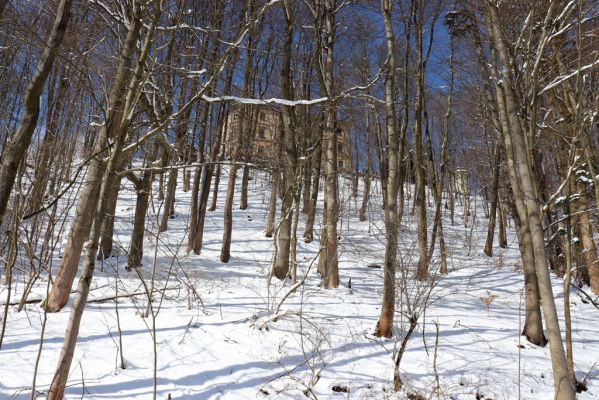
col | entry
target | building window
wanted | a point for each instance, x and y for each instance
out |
(339, 147)
(262, 133)
(262, 116)
(340, 164)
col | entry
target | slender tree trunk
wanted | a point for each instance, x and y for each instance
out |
(59, 381)
(533, 322)
(3, 4)
(533, 325)
(420, 197)
(281, 263)
(307, 174)
(143, 187)
(225, 253)
(106, 240)
(385, 323)
(309, 230)
(272, 203)
(197, 175)
(142, 203)
(206, 179)
(161, 187)
(56, 105)
(169, 201)
(236, 147)
(215, 187)
(59, 294)
(366, 188)
(589, 270)
(567, 282)
(329, 240)
(494, 201)
(245, 180)
(16, 149)
(502, 226)
(564, 390)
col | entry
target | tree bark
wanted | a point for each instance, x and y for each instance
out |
(106, 239)
(281, 263)
(420, 197)
(272, 203)
(329, 240)
(385, 323)
(366, 188)
(494, 201)
(143, 187)
(317, 162)
(588, 272)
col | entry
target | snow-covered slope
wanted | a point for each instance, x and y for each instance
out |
(322, 347)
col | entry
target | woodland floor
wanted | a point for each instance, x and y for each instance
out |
(213, 349)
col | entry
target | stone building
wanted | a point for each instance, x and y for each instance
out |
(268, 124)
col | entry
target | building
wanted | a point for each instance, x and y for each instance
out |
(268, 125)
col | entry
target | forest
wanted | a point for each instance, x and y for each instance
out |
(289, 199)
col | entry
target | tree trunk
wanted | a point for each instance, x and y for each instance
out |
(494, 201)
(245, 180)
(59, 293)
(142, 203)
(533, 322)
(329, 240)
(225, 253)
(143, 187)
(309, 230)
(366, 189)
(169, 202)
(121, 126)
(16, 149)
(588, 272)
(564, 390)
(272, 203)
(385, 323)
(281, 263)
(106, 240)
(3, 4)
(56, 105)
(420, 197)
(502, 226)
(59, 381)
(206, 178)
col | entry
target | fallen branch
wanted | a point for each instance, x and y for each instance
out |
(291, 290)
(98, 300)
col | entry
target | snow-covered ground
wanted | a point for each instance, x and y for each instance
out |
(211, 348)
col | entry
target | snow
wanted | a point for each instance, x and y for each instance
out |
(245, 100)
(214, 349)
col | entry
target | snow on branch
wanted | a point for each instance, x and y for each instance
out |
(563, 78)
(245, 100)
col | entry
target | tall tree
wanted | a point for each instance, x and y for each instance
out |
(281, 264)
(564, 389)
(67, 270)
(393, 171)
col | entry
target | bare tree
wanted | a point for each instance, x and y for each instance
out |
(392, 173)
(281, 264)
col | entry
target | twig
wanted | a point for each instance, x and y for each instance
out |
(70, 184)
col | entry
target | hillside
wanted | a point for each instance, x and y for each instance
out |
(214, 338)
